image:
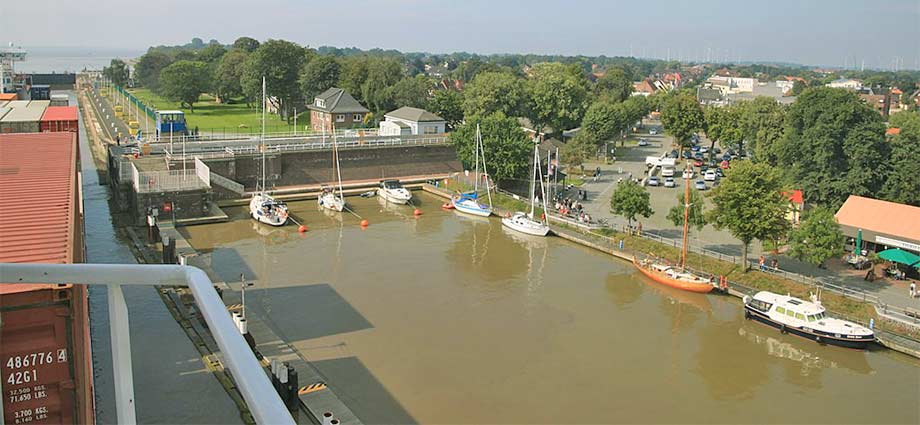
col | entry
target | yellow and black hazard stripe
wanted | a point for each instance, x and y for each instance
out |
(312, 388)
(233, 307)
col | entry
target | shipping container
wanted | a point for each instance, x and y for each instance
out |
(8, 96)
(18, 104)
(40, 92)
(45, 357)
(60, 100)
(22, 120)
(39, 103)
(60, 118)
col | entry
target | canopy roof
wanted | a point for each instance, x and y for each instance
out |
(899, 255)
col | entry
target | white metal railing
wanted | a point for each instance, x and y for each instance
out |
(263, 401)
(203, 172)
(158, 181)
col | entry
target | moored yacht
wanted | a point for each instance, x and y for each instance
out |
(265, 209)
(807, 319)
(527, 222)
(393, 191)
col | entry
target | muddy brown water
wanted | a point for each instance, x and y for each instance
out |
(448, 318)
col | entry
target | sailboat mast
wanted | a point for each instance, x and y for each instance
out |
(533, 179)
(683, 250)
(338, 169)
(476, 175)
(482, 150)
(262, 138)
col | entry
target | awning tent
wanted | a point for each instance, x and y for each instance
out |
(899, 256)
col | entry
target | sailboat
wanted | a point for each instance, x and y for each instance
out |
(468, 202)
(676, 277)
(328, 199)
(263, 207)
(526, 222)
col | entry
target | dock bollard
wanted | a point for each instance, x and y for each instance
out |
(293, 399)
(274, 366)
(327, 418)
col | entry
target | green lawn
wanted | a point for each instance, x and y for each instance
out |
(222, 117)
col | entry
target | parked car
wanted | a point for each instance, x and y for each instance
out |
(726, 157)
(688, 155)
(698, 163)
(717, 150)
(704, 149)
(695, 148)
(669, 182)
(653, 131)
(697, 155)
(700, 185)
(653, 181)
(719, 172)
(709, 176)
(643, 142)
(703, 168)
(673, 154)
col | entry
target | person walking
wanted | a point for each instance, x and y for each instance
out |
(763, 263)
(913, 290)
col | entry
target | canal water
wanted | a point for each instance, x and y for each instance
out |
(447, 318)
(171, 383)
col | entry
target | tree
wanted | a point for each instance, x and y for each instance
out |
(723, 125)
(411, 91)
(381, 74)
(493, 92)
(682, 117)
(353, 75)
(817, 238)
(468, 70)
(578, 150)
(507, 147)
(319, 75)
(762, 121)
(797, 87)
(246, 44)
(448, 104)
(212, 53)
(615, 85)
(604, 120)
(227, 75)
(833, 145)
(631, 200)
(147, 70)
(750, 204)
(116, 72)
(280, 63)
(558, 98)
(634, 108)
(696, 216)
(184, 81)
(901, 184)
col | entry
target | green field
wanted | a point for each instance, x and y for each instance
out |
(212, 117)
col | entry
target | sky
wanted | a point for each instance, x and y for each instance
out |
(879, 33)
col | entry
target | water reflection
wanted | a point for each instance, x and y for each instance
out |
(623, 292)
(810, 357)
(488, 252)
(730, 371)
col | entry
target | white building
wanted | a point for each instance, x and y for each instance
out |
(732, 85)
(410, 121)
(845, 83)
(785, 85)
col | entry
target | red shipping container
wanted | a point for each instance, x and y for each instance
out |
(45, 351)
(59, 118)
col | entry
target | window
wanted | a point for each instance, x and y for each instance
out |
(339, 117)
(812, 318)
(319, 102)
(790, 313)
(430, 129)
(357, 118)
(780, 310)
(800, 316)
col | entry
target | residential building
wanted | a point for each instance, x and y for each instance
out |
(731, 85)
(879, 102)
(643, 88)
(796, 206)
(884, 224)
(336, 109)
(785, 85)
(709, 96)
(845, 83)
(411, 121)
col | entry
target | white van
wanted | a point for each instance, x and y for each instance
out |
(667, 171)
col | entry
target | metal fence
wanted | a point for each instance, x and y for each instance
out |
(168, 180)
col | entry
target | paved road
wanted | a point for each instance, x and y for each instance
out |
(631, 159)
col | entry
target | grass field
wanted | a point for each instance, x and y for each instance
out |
(212, 117)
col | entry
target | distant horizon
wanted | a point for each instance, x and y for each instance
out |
(137, 52)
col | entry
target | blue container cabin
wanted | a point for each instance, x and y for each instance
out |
(170, 122)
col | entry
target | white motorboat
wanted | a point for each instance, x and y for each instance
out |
(468, 202)
(393, 191)
(527, 222)
(263, 207)
(805, 319)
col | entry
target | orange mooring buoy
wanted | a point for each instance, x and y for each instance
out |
(364, 223)
(302, 228)
(417, 212)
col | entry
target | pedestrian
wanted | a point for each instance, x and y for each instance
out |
(775, 264)
(913, 290)
(763, 263)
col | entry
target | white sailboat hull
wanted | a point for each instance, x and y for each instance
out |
(331, 201)
(522, 223)
(472, 207)
(278, 216)
(398, 196)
